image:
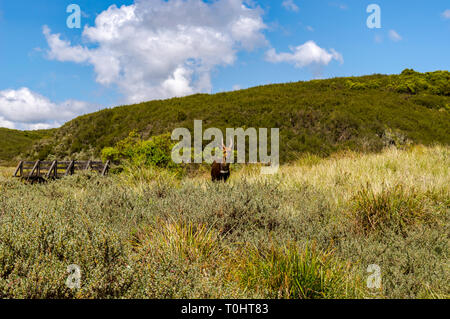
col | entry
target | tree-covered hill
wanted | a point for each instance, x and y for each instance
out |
(319, 116)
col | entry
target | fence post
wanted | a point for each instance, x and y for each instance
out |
(51, 169)
(105, 168)
(35, 167)
(69, 170)
(19, 168)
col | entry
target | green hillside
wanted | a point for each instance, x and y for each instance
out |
(14, 142)
(319, 116)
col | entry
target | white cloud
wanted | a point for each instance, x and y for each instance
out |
(25, 109)
(157, 49)
(236, 87)
(446, 14)
(394, 36)
(378, 38)
(306, 54)
(341, 6)
(290, 5)
(309, 28)
(5, 123)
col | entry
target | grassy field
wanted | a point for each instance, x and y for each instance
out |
(311, 231)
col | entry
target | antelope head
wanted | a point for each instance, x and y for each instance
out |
(226, 150)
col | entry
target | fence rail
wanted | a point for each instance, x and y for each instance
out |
(56, 169)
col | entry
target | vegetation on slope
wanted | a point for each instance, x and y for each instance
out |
(15, 142)
(311, 231)
(318, 117)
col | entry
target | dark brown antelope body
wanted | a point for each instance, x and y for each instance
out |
(221, 171)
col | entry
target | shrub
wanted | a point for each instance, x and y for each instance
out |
(395, 137)
(183, 241)
(396, 208)
(155, 152)
(110, 154)
(290, 273)
(430, 101)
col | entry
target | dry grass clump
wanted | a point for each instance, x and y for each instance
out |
(187, 242)
(291, 272)
(396, 208)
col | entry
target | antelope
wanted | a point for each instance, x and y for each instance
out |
(221, 171)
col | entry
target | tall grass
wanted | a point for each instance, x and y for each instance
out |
(395, 208)
(292, 272)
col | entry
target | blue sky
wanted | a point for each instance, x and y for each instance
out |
(176, 48)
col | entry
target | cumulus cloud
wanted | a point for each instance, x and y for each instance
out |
(339, 5)
(25, 109)
(394, 36)
(5, 123)
(290, 5)
(446, 14)
(306, 54)
(157, 49)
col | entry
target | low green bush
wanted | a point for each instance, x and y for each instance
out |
(135, 152)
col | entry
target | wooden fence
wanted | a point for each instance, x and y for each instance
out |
(42, 170)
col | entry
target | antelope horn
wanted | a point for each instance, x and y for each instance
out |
(231, 143)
